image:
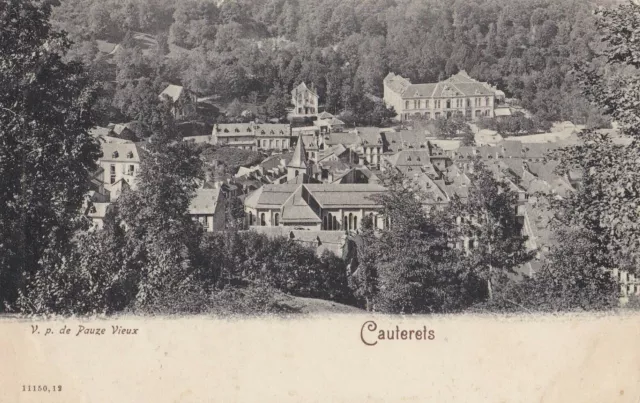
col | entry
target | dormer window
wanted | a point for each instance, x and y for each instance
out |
(418, 158)
(393, 141)
(130, 154)
(421, 145)
(92, 209)
(248, 128)
(408, 158)
(262, 132)
(237, 130)
(115, 154)
(271, 132)
(226, 130)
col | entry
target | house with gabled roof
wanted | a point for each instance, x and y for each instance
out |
(304, 100)
(459, 95)
(208, 208)
(183, 102)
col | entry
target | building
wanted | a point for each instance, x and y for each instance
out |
(272, 136)
(304, 100)
(252, 136)
(326, 207)
(183, 102)
(120, 161)
(459, 95)
(208, 208)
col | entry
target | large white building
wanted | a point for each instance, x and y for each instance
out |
(459, 95)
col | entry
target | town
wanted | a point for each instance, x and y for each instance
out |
(237, 158)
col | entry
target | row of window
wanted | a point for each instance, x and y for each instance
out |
(437, 115)
(270, 143)
(425, 104)
(116, 154)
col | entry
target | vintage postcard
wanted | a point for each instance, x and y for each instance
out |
(320, 201)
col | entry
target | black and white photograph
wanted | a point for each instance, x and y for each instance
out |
(391, 165)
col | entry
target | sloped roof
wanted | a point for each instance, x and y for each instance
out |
(299, 157)
(204, 202)
(233, 129)
(303, 87)
(172, 91)
(396, 83)
(121, 152)
(272, 129)
(342, 138)
(297, 210)
(333, 195)
(410, 158)
(270, 195)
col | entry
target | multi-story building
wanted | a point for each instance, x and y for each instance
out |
(120, 161)
(459, 95)
(312, 206)
(304, 100)
(253, 136)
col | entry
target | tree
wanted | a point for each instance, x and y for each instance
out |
(488, 218)
(46, 152)
(415, 263)
(277, 103)
(161, 238)
(606, 203)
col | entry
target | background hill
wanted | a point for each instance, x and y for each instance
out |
(247, 48)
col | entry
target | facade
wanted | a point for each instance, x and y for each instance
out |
(120, 161)
(183, 101)
(253, 136)
(459, 95)
(304, 100)
(325, 207)
(208, 208)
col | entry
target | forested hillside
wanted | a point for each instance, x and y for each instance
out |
(251, 48)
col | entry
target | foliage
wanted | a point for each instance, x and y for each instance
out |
(346, 48)
(572, 278)
(46, 151)
(515, 125)
(232, 158)
(606, 204)
(415, 265)
(488, 217)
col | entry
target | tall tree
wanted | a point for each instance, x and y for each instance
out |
(46, 152)
(488, 218)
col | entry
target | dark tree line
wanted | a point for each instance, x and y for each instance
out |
(526, 48)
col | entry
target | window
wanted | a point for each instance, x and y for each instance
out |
(345, 225)
(486, 101)
(277, 143)
(130, 154)
(237, 130)
(264, 143)
(477, 113)
(428, 115)
(426, 103)
(112, 173)
(406, 104)
(132, 169)
(271, 143)
(114, 154)
(355, 222)
(276, 219)
(438, 115)
(263, 222)
(468, 102)
(472, 244)
(416, 104)
(351, 226)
